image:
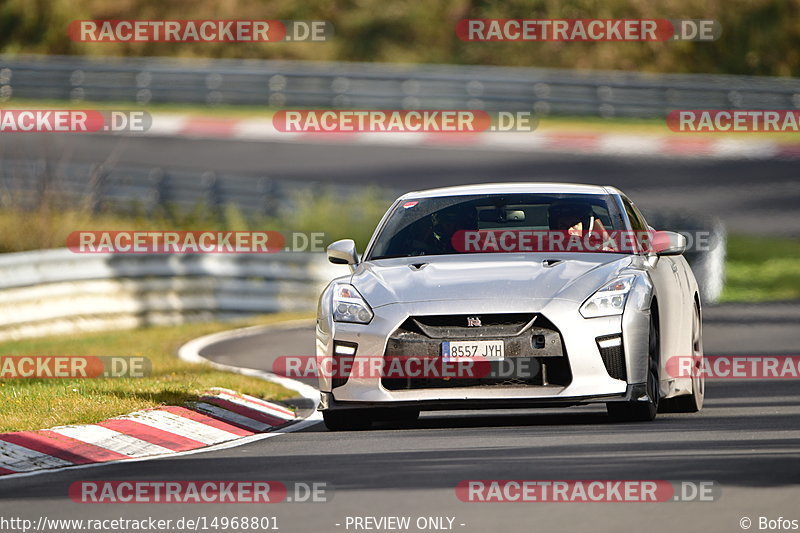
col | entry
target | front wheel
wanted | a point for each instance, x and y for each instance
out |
(643, 411)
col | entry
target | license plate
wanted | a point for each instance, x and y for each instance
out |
(473, 351)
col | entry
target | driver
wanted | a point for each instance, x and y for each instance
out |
(573, 218)
(578, 219)
(447, 222)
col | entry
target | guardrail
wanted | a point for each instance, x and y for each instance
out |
(387, 86)
(27, 183)
(52, 292)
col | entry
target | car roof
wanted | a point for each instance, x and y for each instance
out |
(512, 188)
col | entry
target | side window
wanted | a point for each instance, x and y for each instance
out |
(640, 216)
(637, 222)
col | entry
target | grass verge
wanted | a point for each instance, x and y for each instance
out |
(30, 404)
(313, 210)
(760, 269)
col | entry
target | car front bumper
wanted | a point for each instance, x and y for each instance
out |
(633, 393)
(590, 378)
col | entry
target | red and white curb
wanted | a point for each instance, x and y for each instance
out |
(219, 419)
(613, 144)
(220, 416)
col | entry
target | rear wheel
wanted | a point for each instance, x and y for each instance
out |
(643, 411)
(691, 403)
(346, 420)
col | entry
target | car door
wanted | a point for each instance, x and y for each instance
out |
(665, 273)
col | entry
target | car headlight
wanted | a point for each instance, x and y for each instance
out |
(349, 305)
(608, 300)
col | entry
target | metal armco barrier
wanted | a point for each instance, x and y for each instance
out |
(142, 188)
(385, 86)
(132, 188)
(52, 292)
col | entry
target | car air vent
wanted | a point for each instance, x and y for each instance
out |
(548, 263)
(417, 266)
(613, 355)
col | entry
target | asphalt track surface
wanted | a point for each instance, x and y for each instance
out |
(750, 196)
(747, 438)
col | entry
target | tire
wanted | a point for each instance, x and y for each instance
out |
(636, 411)
(691, 403)
(346, 420)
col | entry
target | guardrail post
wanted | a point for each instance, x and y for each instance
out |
(143, 93)
(211, 190)
(43, 182)
(215, 95)
(76, 79)
(266, 190)
(97, 178)
(6, 89)
(157, 191)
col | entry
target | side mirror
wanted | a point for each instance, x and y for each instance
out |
(343, 252)
(668, 243)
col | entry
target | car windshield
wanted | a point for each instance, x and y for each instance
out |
(473, 224)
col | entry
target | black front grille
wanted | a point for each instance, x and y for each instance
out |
(530, 342)
(458, 326)
(523, 334)
(613, 358)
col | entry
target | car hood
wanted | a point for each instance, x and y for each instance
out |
(489, 276)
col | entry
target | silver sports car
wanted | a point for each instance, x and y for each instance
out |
(509, 295)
